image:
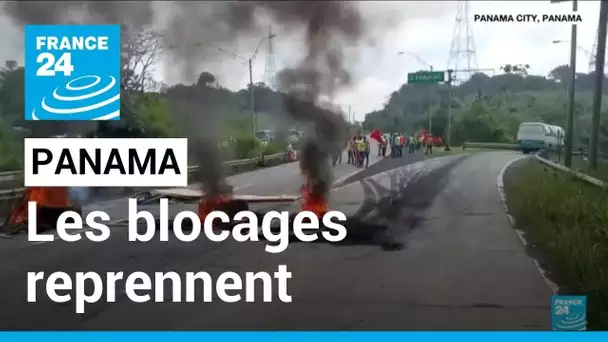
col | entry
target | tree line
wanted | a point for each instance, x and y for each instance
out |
(179, 110)
(148, 108)
(490, 108)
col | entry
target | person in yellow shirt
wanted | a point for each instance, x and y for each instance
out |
(351, 151)
(361, 146)
(366, 152)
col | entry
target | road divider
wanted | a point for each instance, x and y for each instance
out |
(489, 145)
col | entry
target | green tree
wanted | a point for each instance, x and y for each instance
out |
(478, 124)
(154, 116)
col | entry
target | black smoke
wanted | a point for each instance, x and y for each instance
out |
(329, 28)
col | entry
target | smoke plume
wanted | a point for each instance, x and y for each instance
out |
(329, 28)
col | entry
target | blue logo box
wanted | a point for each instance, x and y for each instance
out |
(72, 72)
(569, 312)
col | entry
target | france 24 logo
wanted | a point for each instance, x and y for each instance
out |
(72, 72)
(569, 312)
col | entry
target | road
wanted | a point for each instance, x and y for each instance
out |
(461, 266)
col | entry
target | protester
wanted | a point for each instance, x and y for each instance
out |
(428, 142)
(290, 153)
(361, 146)
(367, 150)
(395, 147)
(377, 136)
(438, 141)
(337, 158)
(384, 145)
(351, 151)
(412, 144)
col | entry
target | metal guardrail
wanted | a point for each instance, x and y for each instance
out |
(16, 192)
(9, 173)
(9, 176)
(495, 146)
(579, 175)
(576, 151)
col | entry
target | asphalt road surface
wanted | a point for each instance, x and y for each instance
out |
(454, 262)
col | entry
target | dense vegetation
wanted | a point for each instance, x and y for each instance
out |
(489, 109)
(566, 222)
(484, 108)
(180, 110)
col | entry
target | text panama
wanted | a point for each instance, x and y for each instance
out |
(107, 162)
(86, 161)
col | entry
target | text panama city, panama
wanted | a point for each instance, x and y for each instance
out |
(528, 18)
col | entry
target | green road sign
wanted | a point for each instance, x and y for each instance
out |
(426, 77)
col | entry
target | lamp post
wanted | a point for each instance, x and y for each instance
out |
(571, 89)
(450, 84)
(600, 57)
(580, 48)
(420, 60)
(249, 63)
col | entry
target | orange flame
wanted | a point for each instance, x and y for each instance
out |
(315, 204)
(209, 204)
(44, 197)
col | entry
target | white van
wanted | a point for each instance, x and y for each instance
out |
(560, 135)
(536, 136)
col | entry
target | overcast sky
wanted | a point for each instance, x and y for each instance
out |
(421, 28)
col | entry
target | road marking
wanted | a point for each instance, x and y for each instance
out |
(374, 190)
(417, 166)
(501, 190)
(238, 188)
(339, 182)
(376, 195)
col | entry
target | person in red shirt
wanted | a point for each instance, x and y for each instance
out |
(438, 141)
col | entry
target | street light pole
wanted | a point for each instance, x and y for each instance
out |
(578, 47)
(449, 137)
(571, 93)
(600, 57)
(255, 52)
(430, 109)
(350, 119)
(254, 120)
